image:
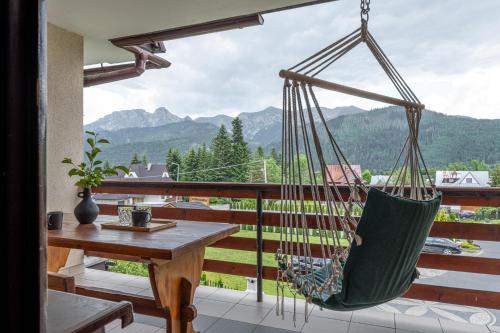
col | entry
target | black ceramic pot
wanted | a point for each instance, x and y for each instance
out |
(86, 211)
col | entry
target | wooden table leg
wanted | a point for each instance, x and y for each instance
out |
(174, 283)
(56, 258)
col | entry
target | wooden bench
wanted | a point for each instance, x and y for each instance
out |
(68, 312)
(61, 282)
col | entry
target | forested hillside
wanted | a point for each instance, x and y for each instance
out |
(370, 138)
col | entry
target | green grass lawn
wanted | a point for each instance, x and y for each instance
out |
(480, 221)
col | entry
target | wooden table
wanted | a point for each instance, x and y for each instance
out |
(79, 314)
(174, 258)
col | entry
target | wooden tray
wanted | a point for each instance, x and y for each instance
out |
(154, 225)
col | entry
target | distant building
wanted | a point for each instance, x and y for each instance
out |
(150, 172)
(117, 199)
(379, 180)
(462, 178)
(335, 174)
(139, 172)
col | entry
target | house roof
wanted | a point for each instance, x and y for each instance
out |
(187, 205)
(378, 180)
(463, 178)
(335, 174)
(140, 172)
(99, 21)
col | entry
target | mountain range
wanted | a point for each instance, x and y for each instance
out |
(370, 138)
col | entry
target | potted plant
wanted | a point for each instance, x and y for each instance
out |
(91, 173)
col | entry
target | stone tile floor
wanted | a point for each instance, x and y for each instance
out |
(228, 311)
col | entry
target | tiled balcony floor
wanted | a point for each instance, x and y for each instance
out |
(228, 311)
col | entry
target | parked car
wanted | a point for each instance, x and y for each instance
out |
(441, 245)
(467, 214)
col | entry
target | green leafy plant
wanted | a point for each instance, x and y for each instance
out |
(93, 171)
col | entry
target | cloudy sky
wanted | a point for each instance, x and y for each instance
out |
(448, 51)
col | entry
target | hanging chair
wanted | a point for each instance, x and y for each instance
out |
(379, 261)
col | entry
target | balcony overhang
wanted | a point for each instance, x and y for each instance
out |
(106, 24)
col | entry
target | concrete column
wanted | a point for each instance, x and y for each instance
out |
(65, 114)
(64, 124)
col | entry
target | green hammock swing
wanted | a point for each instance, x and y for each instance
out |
(379, 264)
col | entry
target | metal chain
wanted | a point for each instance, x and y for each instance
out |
(365, 10)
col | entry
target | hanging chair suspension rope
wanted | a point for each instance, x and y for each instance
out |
(326, 51)
(388, 66)
(338, 52)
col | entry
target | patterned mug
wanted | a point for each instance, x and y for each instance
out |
(125, 214)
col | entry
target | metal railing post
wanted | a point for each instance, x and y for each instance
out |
(259, 246)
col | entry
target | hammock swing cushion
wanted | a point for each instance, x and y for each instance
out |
(394, 230)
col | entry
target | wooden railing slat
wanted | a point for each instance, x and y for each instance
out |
(475, 231)
(470, 297)
(446, 262)
(485, 196)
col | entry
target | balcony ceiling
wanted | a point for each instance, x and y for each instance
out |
(98, 21)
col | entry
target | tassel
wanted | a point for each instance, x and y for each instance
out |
(355, 195)
(305, 313)
(358, 239)
(277, 299)
(306, 317)
(282, 303)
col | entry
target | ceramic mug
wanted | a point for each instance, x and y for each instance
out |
(140, 218)
(54, 220)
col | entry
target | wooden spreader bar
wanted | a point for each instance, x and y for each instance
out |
(294, 76)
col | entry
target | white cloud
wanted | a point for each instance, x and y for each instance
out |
(473, 93)
(448, 52)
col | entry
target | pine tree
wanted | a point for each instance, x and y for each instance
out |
(240, 154)
(144, 160)
(273, 170)
(173, 162)
(135, 159)
(256, 172)
(457, 166)
(476, 165)
(276, 156)
(495, 176)
(190, 163)
(204, 163)
(221, 156)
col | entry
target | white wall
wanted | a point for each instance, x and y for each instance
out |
(65, 114)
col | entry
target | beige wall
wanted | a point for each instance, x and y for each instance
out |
(65, 114)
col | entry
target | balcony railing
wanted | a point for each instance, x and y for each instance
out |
(451, 196)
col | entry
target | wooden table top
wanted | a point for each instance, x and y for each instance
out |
(162, 244)
(74, 313)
